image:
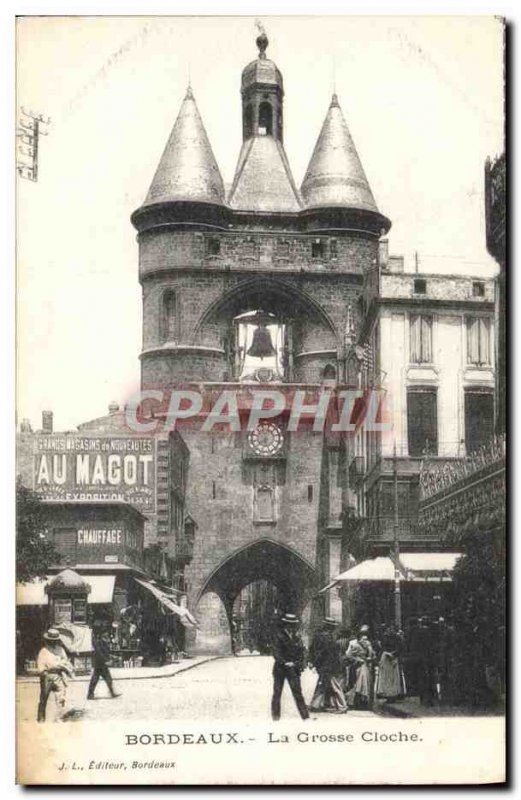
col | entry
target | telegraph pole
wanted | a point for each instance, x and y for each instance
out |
(28, 133)
(396, 548)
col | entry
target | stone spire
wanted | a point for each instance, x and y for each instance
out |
(335, 176)
(263, 181)
(187, 170)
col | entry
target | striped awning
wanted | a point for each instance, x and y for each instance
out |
(419, 567)
(167, 602)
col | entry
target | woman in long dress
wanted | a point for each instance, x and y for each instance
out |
(390, 684)
(324, 656)
(360, 656)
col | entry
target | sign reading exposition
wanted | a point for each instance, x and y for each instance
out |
(73, 467)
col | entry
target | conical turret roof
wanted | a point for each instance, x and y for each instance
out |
(188, 170)
(263, 180)
(335, 176)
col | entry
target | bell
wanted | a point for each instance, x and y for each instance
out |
(261, 346)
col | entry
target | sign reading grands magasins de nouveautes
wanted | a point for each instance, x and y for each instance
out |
(73, 467)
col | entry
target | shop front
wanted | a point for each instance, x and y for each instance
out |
(425, 586)
(102, 544)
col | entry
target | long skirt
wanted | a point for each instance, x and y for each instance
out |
(328, 695)
(390, 682)
(361, 693)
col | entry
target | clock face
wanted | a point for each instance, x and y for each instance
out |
(266, 439)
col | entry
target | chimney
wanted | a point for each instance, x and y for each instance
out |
(46, 421)
(383, 253)
(25, 426)
(395, 264)
(113, 407)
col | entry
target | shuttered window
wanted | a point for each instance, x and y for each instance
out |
(421, 339)
(478, 341)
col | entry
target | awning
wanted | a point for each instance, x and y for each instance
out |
(168, 603)
(33, 593)
(420, 567)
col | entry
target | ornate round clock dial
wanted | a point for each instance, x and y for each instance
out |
(266, 439)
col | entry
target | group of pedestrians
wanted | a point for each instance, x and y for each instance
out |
(55, 670)
(351, 668)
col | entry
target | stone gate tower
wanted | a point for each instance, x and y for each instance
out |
(256, 289)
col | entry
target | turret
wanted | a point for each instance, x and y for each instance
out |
(335, 179)
(187, 184)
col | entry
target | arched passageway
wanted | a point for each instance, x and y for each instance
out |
(286, 579)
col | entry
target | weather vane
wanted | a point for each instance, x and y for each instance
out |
(262, 40)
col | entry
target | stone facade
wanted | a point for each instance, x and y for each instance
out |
(207, 261)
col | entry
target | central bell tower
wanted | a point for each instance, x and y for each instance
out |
(256, 288)
(262, 96)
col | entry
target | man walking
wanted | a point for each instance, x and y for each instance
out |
(288, 652)
(101, 645)
(54, 669)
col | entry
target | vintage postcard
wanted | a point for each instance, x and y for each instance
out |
(261, 400)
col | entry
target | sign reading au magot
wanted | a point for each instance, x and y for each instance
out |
(89, 468)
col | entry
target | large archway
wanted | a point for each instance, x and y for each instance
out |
(271, 293)
(263, 562)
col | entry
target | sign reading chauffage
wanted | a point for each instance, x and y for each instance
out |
(74, 468)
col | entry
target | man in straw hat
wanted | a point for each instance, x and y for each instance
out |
(54, 669)
(288, 652)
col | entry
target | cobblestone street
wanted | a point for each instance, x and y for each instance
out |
(222, 689)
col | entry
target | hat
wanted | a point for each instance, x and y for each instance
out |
(52, 635)
(330, 621)
(364, 629)
(291, 618)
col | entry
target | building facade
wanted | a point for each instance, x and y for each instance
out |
(255, 289)
(431, 344)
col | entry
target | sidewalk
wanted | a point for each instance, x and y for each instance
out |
(122, 674)
(411, 707)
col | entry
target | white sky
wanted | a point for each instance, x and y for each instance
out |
(422, 97)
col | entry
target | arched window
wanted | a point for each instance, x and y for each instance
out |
(329, 373)
(169, 332)
(265, 119)
(248, 122)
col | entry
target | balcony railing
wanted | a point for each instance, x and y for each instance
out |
(437, 478)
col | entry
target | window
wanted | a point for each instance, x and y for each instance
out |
(79, 610)
(422, 422)
(213, 246)
(329, 373)
(479, 419)
(265, 119)
(333, 248)
(310, 493)
(478, 289)
(169, 316)
(62, 610)
(249, 249)
(478, 341)
(283, 250)
(421, 339)
(317, 249)
(420, 286)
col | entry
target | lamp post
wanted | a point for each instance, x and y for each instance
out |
(396, 549)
